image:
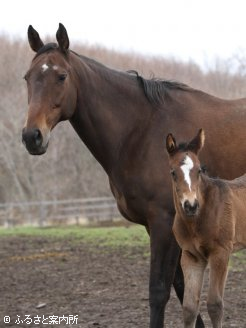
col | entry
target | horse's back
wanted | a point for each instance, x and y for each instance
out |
(237, 189)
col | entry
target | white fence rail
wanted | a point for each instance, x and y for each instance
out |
(80, 211)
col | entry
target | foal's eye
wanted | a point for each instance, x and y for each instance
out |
(202, 169)
(62, 77)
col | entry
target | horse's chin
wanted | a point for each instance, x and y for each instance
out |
(37, 152)
(192, 215)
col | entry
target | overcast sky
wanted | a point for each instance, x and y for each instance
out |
(198, 30)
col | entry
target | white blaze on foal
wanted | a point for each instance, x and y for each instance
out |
(186, 168)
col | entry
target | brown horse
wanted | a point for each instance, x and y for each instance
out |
(210, 223)
(122, 118)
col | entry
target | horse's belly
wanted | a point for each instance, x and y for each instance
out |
(127, 207)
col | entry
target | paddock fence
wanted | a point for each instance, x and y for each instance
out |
(87, 211)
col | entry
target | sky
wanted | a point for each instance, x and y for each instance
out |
(188, 30)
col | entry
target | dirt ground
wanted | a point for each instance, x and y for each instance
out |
(98, 286)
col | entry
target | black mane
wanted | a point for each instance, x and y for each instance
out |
(156, 89)
(183, 146)
(46, 47)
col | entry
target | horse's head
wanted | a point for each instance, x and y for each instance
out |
(185, 171)
(51, 90)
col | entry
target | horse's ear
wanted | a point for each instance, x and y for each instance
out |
(62, 38)
(197, 143)
(170, 143)
(34, 40)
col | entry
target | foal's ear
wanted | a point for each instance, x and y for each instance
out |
(34, 40)
(62, 38)
(170, 143)
(197, 143)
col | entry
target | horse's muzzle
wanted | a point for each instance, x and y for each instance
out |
(33, 140)
(191, 209)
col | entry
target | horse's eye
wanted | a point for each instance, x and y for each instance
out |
(203, 169)
(173, 174)
(62, 77)
(25, 77)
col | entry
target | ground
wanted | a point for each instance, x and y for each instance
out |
(105, 287)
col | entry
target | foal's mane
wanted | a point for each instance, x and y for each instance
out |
(181, 147)
(155, 89)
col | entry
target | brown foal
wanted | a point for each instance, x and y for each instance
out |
(210, 223)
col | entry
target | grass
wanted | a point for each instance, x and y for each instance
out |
(133, 236)
(238, 260)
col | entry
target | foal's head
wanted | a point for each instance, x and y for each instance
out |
(185, 171)
(51, 91)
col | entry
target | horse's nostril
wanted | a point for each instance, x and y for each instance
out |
(189, 208)
(38, 137)
(186, 204)
(32, 138)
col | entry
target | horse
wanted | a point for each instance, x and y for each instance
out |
(209, 224)
(121, 117)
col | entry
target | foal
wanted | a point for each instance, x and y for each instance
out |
(210, 223)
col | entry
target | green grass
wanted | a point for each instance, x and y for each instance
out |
(132, 236)
(107, 236)
(238, 260)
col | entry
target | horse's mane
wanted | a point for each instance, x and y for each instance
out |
(183, 146)
(156, 89)
(45, 48)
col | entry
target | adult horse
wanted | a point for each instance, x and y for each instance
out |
(123, 119)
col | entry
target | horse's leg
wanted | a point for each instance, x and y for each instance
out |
(178, 285)
(193, 278)
(217, 278)
(164, 258)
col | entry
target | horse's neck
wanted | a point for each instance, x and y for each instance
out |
(110, 107)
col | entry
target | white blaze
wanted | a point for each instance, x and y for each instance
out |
(186, 168)
(44, 67)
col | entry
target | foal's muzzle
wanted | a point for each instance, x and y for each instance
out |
(191, 209)
(33, 140)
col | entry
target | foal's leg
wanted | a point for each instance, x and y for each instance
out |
(193, 269)
(178, 285)
(217, 278)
